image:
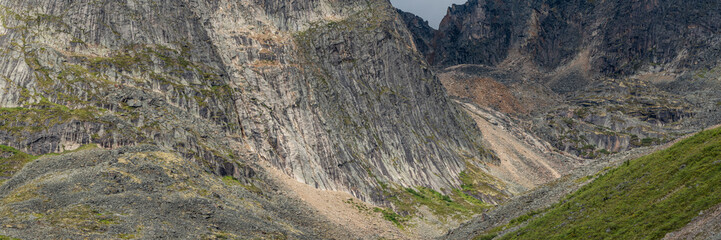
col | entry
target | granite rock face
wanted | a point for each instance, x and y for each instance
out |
(333, 93)
(594, 77)
(422, 33)
(623, 36)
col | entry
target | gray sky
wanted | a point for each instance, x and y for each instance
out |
(431, 10)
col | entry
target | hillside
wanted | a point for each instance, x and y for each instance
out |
(644, 198)
(333, 95)
(346, 119)
(145, 193)
(591, 77)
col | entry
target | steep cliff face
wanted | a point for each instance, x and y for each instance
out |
(595, 76)
(344, 91)
(422, 32)
(624, 36)
(332, 93)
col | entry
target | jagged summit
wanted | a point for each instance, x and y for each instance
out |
(594, 77)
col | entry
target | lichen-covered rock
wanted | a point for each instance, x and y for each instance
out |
(145, 193)
(333, 93)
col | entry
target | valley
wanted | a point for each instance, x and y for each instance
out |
(340, 119)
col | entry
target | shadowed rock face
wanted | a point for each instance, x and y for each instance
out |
(625, 36)
(332, 93)
(422, 32)
(603, 75)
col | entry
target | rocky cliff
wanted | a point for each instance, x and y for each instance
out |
(422, 32)
(595, 77)
(331, 92)
(623, 36)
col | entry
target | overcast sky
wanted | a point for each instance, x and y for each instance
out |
(431, 10)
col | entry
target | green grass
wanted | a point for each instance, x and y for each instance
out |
(7, 238)
(406, 201)
(14, 162)
(231, 181)
(459, 204)
(644, 199)
(17, 159)
(41, 116)
(392, 217)
(456, 205)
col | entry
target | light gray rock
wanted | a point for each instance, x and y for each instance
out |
(333, 93)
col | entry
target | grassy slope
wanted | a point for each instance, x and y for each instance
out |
(642, 199)
(14, 160)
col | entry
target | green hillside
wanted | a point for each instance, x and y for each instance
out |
(642, 199)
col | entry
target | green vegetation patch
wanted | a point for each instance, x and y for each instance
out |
(7, 238)
(406, 203)
(476, 181)
(392, 217)
(459, 204)
(644, 199)
(83, 218)
(41, 116)
(11, 161)
(231, 181)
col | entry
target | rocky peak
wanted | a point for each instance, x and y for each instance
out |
(625, 36)
(422, 32)
(333, 93)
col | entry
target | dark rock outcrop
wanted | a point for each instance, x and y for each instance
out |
(422, 33)
(639, 72)
(623, 36)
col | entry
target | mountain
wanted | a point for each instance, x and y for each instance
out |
(129, 114)
(670, 194)
(340, 119)
(594, 78)
(590, 77)
(623, 37)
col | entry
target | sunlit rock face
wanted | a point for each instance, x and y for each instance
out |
(333, 93)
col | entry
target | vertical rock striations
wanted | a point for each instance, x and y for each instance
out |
(341, 100)
(333, 93)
